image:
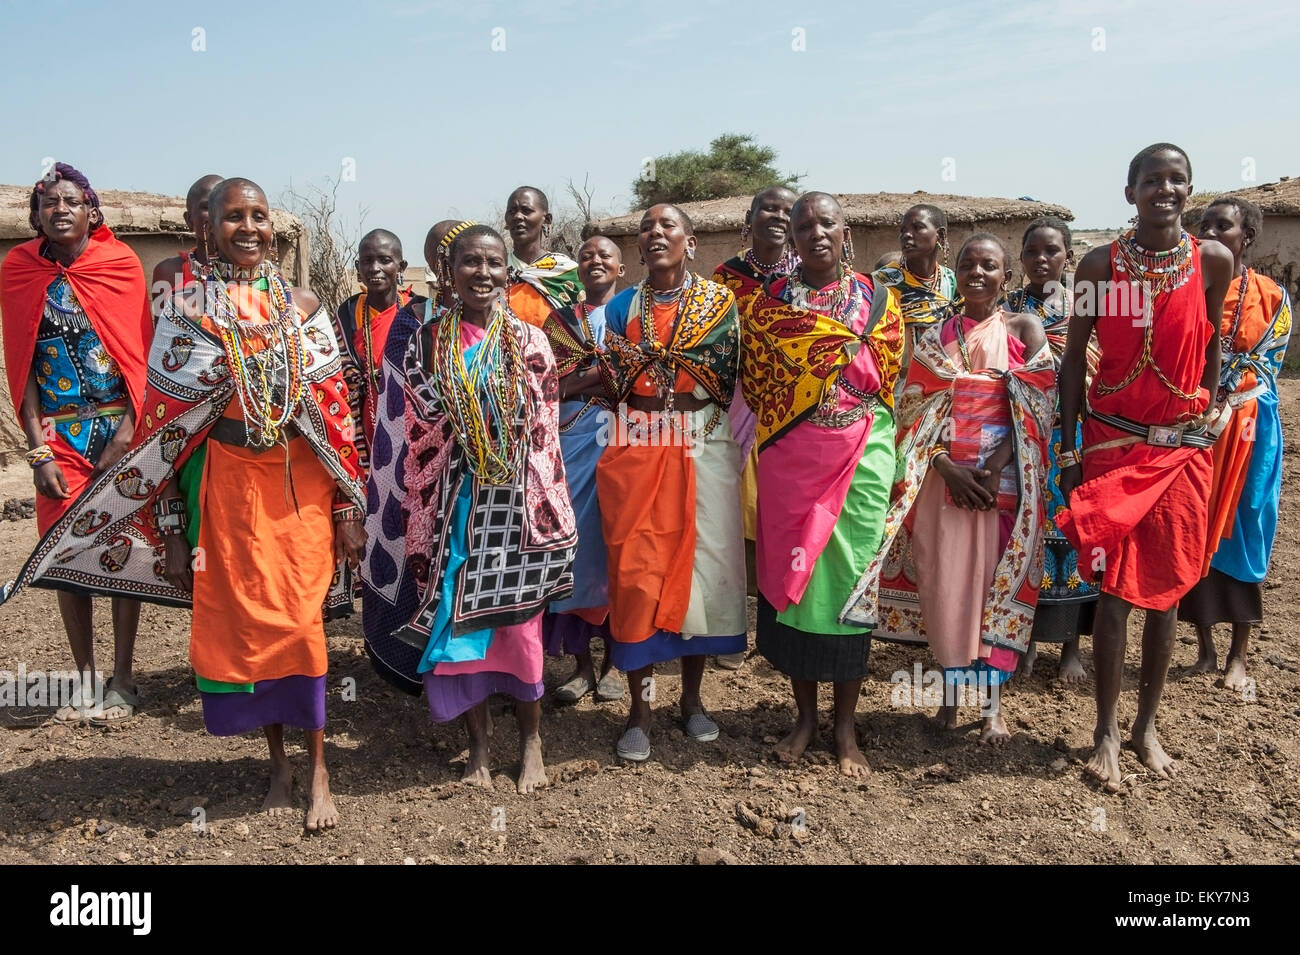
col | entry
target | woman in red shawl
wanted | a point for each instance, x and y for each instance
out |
(1138, 492)
(76, 336)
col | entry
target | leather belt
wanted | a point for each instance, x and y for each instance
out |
(1193, 434)
(234, 432)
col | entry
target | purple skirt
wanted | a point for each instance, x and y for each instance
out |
(567, 634)
(292, 700)
(450, 696)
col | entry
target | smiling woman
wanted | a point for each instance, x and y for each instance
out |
(676, 555)
(75, 340)
(538, 281)
(245, 371)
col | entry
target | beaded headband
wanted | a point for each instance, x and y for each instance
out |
(453, 232)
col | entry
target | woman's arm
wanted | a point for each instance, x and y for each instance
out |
(48, 478)
(1089, 281)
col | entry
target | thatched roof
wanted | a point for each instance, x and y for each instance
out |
(126, 213)
(1280, 198)
(861, 209)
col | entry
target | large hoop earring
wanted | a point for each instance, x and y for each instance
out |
(209, 248)
(275, 250)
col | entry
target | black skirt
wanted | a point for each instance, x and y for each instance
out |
(823, 657)
(1061, 623)
(1219, 598)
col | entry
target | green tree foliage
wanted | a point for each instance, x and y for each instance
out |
(735, 165)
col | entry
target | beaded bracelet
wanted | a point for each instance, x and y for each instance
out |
(40, 456)
(171, 516)
(347, 512)
(1068, 459)
(937, 450)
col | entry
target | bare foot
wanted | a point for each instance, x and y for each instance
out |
(1206, 662)
(1027, 665)
(946, 718)
(995, 731)
(1071, 669)
(1104, 764)
(1234, 676)
(477, 771)
(321, 812)
(852, 762)
(279, 798)
(791, 748)
(532, 771)
(1153, 755)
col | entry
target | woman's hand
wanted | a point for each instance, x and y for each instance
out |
(111, 454)
(349, 542)
(50, 481)
(966, 485)
(1071, 478)
(176, 562)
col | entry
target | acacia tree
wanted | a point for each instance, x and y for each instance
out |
(332, 241)
(735, 165)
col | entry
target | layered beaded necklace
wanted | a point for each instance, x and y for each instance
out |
(841, 302)
(663, 373)
(266, 359)
(369, 363)
(486, 400)
(1158, 273)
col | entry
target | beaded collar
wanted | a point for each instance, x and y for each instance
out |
(235, 273)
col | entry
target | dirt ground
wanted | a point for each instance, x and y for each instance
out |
(130, 795)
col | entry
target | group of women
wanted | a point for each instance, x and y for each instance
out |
(530, 459)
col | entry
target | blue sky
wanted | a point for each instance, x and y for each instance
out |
(1043, 99)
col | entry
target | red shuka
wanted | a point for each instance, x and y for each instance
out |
(109, 282)
(1139, 519)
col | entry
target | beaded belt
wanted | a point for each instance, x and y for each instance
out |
(842, 419)
(234, 432)
(90, 410)
(1188, 434)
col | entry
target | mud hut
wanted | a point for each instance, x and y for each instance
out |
(874, 218)
(154, 227)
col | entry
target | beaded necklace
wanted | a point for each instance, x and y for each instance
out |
(265, 358)
(1231, 337)
(1158, 272)
(843, 301)
(486, 401)
(662, 373)
(369, 366)
(782, 266)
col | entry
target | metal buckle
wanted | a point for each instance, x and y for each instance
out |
(1164, 437)
(87, 411)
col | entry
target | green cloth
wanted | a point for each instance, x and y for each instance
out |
(854, 540)
(189, 479)
(216, 686)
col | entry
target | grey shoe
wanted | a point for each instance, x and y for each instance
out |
(731, 661)
(700, 728)
(633, 745)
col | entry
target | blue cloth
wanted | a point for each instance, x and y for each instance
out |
(467, 646)
(980, 673)
(74, 369)
(1062, 583)
(663, 645)
(582, 441)
(1245, 555)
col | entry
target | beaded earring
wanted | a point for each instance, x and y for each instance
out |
(546, 231)
(943, 249)
(690, 253)
(745, 231)
(846, 250)
(401, 279)
(210, 247)
(275, 251)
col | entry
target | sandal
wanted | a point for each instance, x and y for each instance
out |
(73, 714)
(611, 687)
(633, 745)
(123, 701)
(574, 690)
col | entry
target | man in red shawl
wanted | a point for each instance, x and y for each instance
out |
(76, 336)
(1139, 489)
